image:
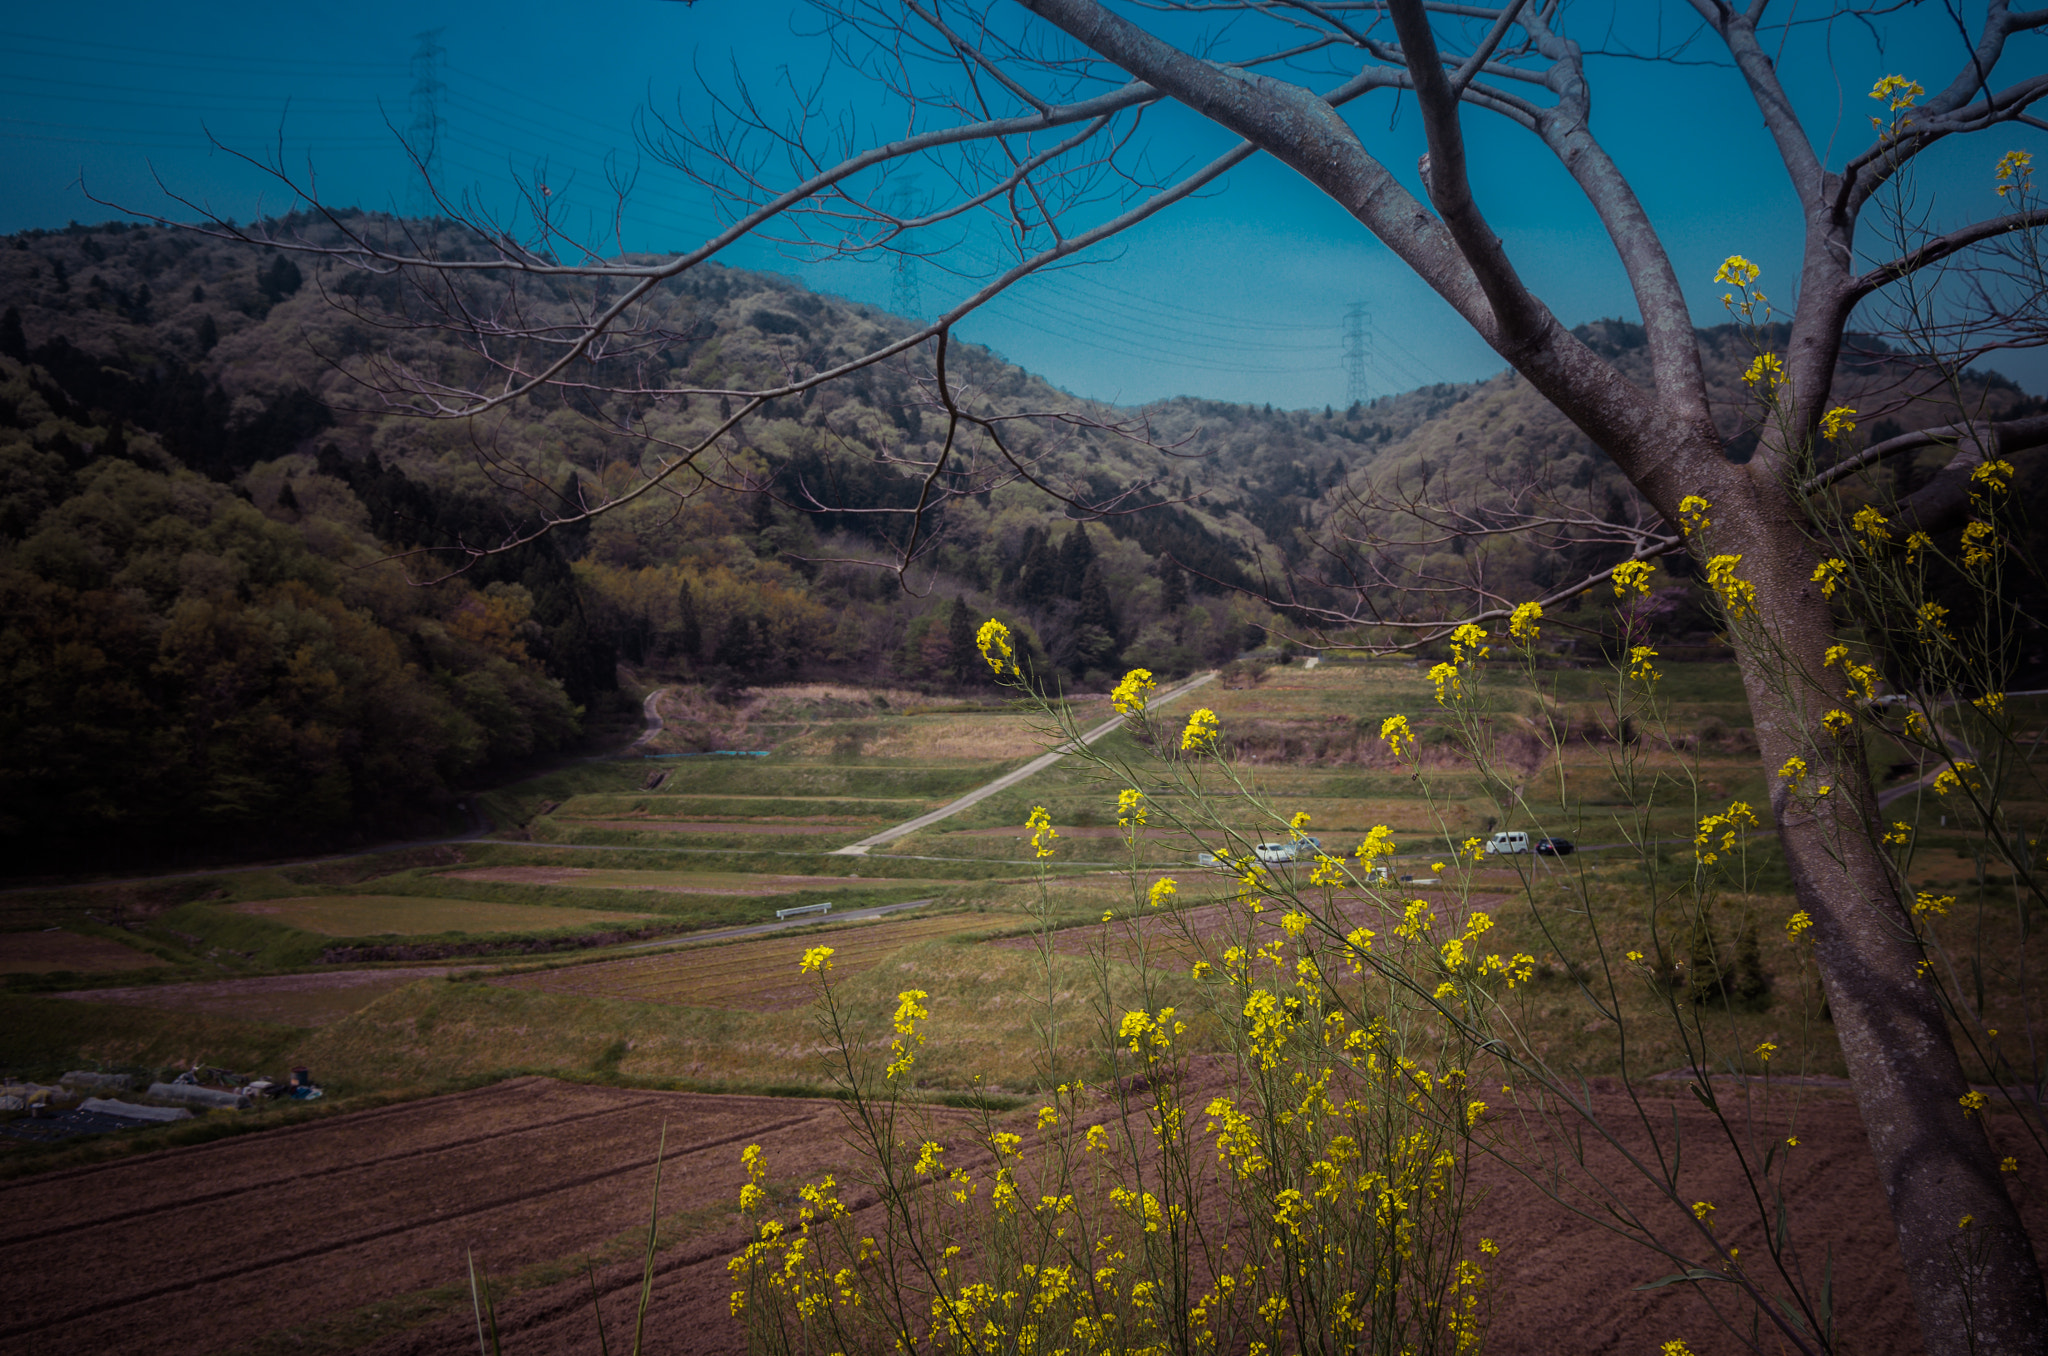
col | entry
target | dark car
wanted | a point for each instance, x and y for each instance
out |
(1555, 847)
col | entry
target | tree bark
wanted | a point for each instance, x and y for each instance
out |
(1977, 1287)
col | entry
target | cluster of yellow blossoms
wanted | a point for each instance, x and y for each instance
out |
(1729, 824)
(1130, 695)
(1898, 94)
(1039, 821)
(2014, 172)
(1632, 574)
(1737, 595)
(993, 640)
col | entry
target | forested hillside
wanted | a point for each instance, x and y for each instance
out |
(223, 550)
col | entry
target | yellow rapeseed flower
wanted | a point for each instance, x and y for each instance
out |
(1130, 808)
(817, 960)
(910, 1010)
(1738, 595)
(1953, 778)
(1993, 475)
(1394, 729)
(1162, 890)
(1798, 923)
(1938, 905)
(1378, 843)
(1468, 637)
(1631, 574)
(1898, 89)
(1639, 666)
(1129, 696)
(1764, 373)
(1828, 574)
(1794, 770)
(1522, 623)
(2014, 169)
(1042, 831)
(1764, 1051)
(1202, 729)
(1837, 722)
(1448, 685)
(1738, 270)
(1973, 1101)
(1874, 526)
(993, 640)
(1836, 423)
(1979, 541)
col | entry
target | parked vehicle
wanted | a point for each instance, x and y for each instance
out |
(1271, 853)
(1507, 844)
(1555, 847)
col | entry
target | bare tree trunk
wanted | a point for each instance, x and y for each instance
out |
(1976, 1283)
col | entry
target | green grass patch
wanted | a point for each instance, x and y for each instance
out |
(44, 1037)
(685, 807)
(423, 916)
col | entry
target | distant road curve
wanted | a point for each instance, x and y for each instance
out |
(653, 717)
(1010, 779)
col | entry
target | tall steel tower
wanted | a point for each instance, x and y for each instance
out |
(906, 290)
(424, 133)
(1356, 319)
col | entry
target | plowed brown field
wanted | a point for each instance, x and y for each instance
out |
(199, 1249)
(307, 1231)
(312, 1230)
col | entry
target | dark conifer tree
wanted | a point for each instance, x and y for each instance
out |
(13, 341)
(743, 647)
(1039, 581)
(1173, 587)
(1076, 554)
(689, 630)
(966, 660)
(569, 502)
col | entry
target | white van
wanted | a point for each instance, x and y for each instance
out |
(1507, 844)
(1275, 853)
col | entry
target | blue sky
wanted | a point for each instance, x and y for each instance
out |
(1237, 296)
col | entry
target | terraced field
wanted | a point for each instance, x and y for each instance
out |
(760, 975)
(32, 953)
(415, 916)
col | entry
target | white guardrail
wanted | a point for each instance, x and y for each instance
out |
(804, 908)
